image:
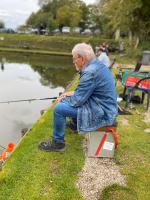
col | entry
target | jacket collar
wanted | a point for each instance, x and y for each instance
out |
(91, 62)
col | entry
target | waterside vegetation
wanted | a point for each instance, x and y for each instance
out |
(63, 44)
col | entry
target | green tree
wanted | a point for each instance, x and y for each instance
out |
(64, 13)
(84, 16)
(43, 2)
(38, 20)
(32, 19)
(128, 15)
(51, 23)
(69, 15)
(94, 17)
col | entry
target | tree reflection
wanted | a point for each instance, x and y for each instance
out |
(3, 60)
(54, 70)
(55, 75)
(2, 66)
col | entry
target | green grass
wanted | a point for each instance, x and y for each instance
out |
(117, 192)
(4, 49)
(30, 174)
(133, 157)
(62, 43)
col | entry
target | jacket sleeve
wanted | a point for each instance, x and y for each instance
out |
(83, 91)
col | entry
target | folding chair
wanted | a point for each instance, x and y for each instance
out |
(133, 83)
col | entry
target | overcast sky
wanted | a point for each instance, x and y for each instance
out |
(15, 12)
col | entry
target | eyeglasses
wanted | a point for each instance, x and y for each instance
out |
(76, 58)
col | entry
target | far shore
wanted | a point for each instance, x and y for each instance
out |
(34, 51)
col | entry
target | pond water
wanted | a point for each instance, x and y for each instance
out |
(28, 77)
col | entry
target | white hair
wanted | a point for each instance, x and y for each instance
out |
(84, 50)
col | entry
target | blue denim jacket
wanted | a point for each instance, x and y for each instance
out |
(95, 97)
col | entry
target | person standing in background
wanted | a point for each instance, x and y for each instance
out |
(103, 57)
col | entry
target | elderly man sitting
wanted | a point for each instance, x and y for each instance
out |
(91, 105)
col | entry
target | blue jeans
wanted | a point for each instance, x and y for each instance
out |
(61, 111)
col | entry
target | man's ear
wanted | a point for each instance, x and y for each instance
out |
(85, 61)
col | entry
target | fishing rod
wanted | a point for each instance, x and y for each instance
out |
(22, 100)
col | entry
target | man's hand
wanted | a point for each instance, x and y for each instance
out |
(66, 94)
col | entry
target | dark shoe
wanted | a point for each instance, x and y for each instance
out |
(52, 146)
(71, 126)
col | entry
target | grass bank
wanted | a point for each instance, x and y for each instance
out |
(27, 51)
(31, 174)
(63, 43)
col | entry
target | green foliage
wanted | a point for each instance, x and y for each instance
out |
(50, 43)
(31, 19)
(39, 20)
(66, 13)
(128, 15)
(93, 17)
(51, 23)
(145, 45)
(142, 15)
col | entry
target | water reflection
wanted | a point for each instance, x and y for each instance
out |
(55, 70)
(27, 77)
(2, 63)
